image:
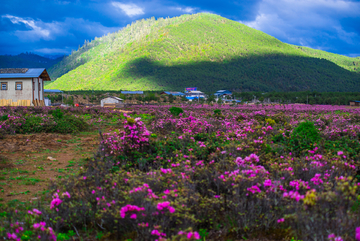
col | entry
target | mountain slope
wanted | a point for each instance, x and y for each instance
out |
(206, 51)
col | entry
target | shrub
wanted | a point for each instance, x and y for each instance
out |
(304, 136)
(176, 110)
(134, 136)
(217, 112)
(57, 113)
(49, 124)
(4, 118)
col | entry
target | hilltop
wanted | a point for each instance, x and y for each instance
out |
(203, 50)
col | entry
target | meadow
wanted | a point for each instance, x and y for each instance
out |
(191, 172)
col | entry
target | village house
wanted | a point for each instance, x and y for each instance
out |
(112, 101)
(222, 93)
(22, 86)
(194, 95)
(354, 103)
(172, 93)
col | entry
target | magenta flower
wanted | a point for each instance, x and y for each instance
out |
(37, 212)
(55, 202)
(357, 233)
(281, 220)
(66, 194)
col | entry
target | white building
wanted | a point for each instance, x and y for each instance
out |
(112, 101)
(22, 86)
(194, 94)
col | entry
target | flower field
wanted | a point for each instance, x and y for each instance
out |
(193, 172)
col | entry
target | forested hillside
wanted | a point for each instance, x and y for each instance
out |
(27, 60)
(202, 50)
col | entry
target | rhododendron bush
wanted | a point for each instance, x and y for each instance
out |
(276, 172)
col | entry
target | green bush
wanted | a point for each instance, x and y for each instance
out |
(304, 136)
(69, 124)
(4, 118)
(176, 111)
(217, 112)
(57, 113)
(65, 124)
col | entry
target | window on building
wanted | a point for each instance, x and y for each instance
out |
(18, 86)
(4, 85)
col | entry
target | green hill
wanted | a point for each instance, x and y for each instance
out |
(203, 50)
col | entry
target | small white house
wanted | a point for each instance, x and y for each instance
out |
(22, 86)
(194, 95)
(112, 101)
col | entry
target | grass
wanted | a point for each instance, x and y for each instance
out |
(26, 174)
(202, 50)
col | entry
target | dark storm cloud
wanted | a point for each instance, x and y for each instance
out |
(52, 27)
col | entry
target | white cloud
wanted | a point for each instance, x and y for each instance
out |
(49, 31)
(186, 10)
(129, 9)
(36, 29)
(305, 21)
(52, 51)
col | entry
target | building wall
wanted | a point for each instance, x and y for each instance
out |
(15, 95)
(36, 89)
(109, 101)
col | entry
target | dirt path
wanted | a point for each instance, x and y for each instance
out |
(28, 162)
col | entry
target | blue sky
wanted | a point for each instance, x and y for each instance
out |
(58, 26)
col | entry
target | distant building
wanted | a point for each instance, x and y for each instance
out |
(222, 93)
(196, 94)
(354, 103)
(172, 93)
(22, 86)
(190, 89)
(112, 101)
(52, 91)
(132, 92)
(47, 101)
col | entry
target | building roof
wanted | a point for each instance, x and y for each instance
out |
(52, 91)
(195, 92)
(223, 92)
(172, 93)
(132, 92)
(19, 73)
(237, 101)
(356, 101)
(114, 97)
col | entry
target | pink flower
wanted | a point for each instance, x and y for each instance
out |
(340, 153)
(55, 202)
(93, 192)
(133, 216)
(37, 212)
(357, 233)
(155, 232)
(84, 178)
(129, 208)
(281, 220)
(171, 209)
(66, 194)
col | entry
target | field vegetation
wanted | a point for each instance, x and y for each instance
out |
(197, 172)
(155, 98)
(202, 50)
